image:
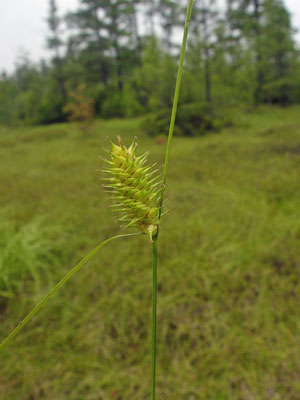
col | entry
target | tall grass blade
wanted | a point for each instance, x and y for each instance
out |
(176, 96)
(166, 164)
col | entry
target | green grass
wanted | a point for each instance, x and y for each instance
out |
(228, 305)
(25, 254)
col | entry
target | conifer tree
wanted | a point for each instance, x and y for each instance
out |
(245, 17)
(279, 56)
(55, 43)
(168, 12)
(204, 24)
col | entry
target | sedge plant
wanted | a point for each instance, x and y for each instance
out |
(137, 194)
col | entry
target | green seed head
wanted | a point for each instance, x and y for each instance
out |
(135, 189)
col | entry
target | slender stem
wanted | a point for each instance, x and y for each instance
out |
(154, 302)
(176, 96)
(65, 279)
(167, 156)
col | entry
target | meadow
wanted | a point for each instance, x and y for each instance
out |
(229, 264)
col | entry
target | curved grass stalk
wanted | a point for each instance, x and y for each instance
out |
(166, 164)
(65, 279)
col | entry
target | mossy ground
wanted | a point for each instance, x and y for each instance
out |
(229, 267)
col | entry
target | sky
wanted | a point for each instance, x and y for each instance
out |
(23, 27)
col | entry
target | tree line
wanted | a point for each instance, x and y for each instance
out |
(125, 53)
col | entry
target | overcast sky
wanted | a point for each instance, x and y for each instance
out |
(23, 27)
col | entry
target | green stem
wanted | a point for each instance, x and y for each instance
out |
(176, 97)
(65, 279)
(154, 298)
(166, 164)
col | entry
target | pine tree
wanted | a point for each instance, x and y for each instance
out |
(151, 10)
(55, 43)
(106, 28)
(168, 12)
(203, 26)
(245, 18)
(89, 45)
(279, 55)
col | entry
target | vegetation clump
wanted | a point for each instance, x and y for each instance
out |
(25, 253)
(80, 108)
(194, 119)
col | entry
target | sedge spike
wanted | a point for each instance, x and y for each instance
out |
(135, 191)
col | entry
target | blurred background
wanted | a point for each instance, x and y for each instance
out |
(74, 72)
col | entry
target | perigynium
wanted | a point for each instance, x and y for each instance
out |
(135, 188)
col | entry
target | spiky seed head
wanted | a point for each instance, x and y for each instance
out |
(136, 189)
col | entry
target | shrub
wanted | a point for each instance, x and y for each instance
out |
(80, 108)
(194, 119)
(112, 105)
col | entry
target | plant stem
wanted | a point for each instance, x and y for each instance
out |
(166, 164)
(154, 298)
(65, 279)
(176, 97)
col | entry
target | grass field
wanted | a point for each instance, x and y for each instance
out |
(229, 265)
